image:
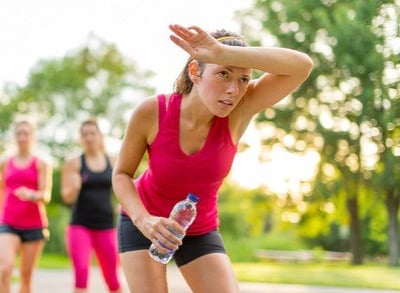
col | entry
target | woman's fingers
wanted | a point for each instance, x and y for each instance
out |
(165, 235)
(181, 31)
(195, 41)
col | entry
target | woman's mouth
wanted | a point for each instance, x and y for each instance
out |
(227, 102)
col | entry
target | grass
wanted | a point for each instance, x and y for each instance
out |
(337, 275)
(53, 261)
(376, 276)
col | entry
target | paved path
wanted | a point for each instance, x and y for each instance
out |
(60, 281)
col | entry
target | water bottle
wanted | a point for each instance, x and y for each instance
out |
(184, 212)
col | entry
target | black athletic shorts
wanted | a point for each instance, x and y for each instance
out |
(25, 234)
(130, 239)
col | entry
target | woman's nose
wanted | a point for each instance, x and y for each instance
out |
(233, 88)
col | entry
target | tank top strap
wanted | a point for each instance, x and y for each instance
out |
(175, 100)
(162, 109)
(9, 161)
(33, 163)
(83, 164)
(108, 162)
(174, 106)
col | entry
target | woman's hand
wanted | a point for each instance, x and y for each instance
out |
(71, 181)
(75, 181)
(198, 43)
(161, 231)
(25, 194)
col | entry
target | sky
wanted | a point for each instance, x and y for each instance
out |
(41, 29)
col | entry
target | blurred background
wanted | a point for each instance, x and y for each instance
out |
(317, 178)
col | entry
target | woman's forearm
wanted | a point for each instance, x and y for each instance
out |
(280, 61)
(70, 186)
(126, 193)
(43, 193)
(69, 195)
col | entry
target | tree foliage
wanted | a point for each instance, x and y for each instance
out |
(349, 107)
(93, 80)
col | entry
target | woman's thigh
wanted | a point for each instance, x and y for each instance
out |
(30, 253)
(79, 245)
(143, 274)
(105, 245)
(9, 246)
(210, 273)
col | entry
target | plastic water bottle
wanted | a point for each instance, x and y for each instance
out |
(184, 212)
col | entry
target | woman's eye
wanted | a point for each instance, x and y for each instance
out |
(245, 80)
(223, 74)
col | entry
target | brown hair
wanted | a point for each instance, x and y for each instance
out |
(92, 121)
(183, 84)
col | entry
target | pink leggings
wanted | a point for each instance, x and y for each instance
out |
(80, 242)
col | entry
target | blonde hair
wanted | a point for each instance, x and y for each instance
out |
(26, 122)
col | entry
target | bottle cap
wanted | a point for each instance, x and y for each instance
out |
(193, 197)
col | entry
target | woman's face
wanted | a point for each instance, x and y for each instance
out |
(222, 87)
(24, 136)
(91, 137)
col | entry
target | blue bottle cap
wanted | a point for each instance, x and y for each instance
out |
(193, 197)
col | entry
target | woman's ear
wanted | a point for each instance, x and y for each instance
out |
(194, 70)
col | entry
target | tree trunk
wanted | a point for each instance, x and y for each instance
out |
(355, 231)
(392, 205)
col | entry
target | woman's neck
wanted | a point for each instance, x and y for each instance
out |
(94, 153)
(195, 112)
(23, 154)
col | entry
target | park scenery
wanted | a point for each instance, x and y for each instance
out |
(314, 193)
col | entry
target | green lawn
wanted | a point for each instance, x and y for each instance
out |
(51, 261)
(322, 274)
(338, 275)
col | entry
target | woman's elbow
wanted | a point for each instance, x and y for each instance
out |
(66, 197)
(118, 175)
(47, 198)
(307, 65)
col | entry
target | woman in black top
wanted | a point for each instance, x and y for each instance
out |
(86, 185)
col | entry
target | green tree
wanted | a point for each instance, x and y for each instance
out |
(93, 80)
(349, 102)
(386, 125)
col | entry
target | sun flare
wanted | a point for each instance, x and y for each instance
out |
(283, 172)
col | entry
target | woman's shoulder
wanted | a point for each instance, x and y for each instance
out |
(147, 104)
(4, 159)
(73, 162)
(43, 162)
(144, 119)
(148, 107)
(73, 157)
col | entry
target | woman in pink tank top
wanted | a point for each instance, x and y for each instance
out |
(26, 182)
(191, 137)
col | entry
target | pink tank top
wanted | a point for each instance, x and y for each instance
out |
(18, 213)
(172, 174)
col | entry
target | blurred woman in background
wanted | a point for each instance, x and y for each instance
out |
(86, 185)
(26, 181)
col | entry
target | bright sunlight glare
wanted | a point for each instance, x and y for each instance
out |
(283, 173)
